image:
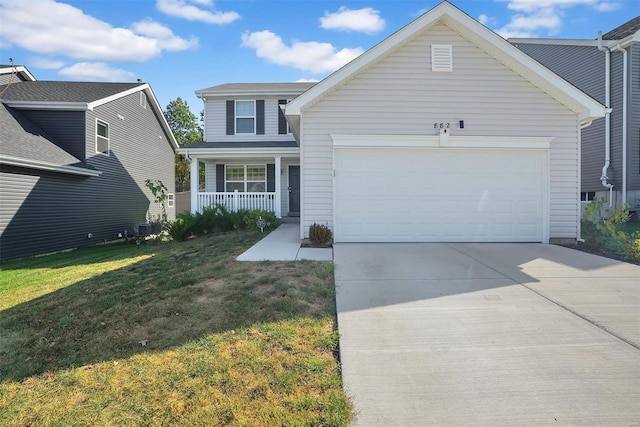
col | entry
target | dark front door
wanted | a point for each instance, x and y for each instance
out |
(294, 190)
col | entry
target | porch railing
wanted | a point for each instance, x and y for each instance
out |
(236, 200)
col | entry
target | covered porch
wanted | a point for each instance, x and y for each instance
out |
(242, 178)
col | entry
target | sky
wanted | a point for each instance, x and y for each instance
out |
(180, 46)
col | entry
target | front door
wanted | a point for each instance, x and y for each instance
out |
(294, 190)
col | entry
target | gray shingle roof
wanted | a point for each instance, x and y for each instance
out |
(52, 91)
(22, 139)
(253, 144)
(624, 30)
(260, 87)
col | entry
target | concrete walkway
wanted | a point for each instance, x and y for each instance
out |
(488, 334)
(283, 244)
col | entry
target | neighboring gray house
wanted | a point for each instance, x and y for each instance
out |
(608, 69)
(74, 157)
(442, 132)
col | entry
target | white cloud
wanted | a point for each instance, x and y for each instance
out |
(608, 6)
(163, 34)
(535, 16)
(486, 19)
(305, 80)
(314, 57)
(46, 63)
(52, 28)
(96, 71)
(182, 9)
(366, 20)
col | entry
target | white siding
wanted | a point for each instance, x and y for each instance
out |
(401, 95)
(216, 122)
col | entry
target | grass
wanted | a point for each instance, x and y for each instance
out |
(169, 334)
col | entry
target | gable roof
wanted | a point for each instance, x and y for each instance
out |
(20, 70)
(230, 89)
(586, 107)
(78, 96)
(24, 144)
(623, 31)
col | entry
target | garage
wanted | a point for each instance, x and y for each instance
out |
(440, 194)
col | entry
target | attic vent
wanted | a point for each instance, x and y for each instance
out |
(441, 57)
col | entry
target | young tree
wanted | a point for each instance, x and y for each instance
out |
(184, 125)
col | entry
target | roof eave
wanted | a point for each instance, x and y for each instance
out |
(47, 105)
(228, 152)
(34, 164)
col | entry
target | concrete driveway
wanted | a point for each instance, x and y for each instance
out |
(488, 334)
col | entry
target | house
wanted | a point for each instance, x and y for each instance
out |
(74, 157)
(442, 132)
(608, 69)
(246, 140)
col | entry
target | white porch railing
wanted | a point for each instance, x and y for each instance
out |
(237, 200)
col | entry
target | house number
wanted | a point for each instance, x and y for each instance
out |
(441, 125)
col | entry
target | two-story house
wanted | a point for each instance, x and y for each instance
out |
(608, 69)
(251, 157)
(443, 132)
(74, 157)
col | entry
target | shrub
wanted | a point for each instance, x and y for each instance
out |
(182, 227)
(320, 235)
(250, 219)
(631, 247)
(599, 224)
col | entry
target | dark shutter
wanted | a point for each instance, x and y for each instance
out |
(231, 117)
(260, 117)
(220, 178)
(271, 178)
(282, 122)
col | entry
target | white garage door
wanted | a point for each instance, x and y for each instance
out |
(439, 195)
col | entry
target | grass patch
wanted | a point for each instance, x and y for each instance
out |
(225, 343)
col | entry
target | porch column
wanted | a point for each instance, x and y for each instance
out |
(278, 171)
(195, 173)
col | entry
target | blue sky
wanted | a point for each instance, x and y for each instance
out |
(179, 46)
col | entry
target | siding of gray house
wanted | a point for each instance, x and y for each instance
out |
(66, 128)
(42, 212)
(584, 67)
(633, 137)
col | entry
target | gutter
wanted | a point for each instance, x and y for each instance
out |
(625, 78)
(607, 118)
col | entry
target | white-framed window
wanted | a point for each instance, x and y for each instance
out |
(170, 200)
(246, 178)
(245, 117)
(102, 137)
(587, 196)
(143, 99)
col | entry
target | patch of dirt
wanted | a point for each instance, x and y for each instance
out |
(306, 243)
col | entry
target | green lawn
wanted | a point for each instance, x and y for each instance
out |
(174, 334)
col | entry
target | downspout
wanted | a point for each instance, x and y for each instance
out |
(624, 121)
(607, 118)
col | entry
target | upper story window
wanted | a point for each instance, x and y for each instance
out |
(245, 117)
(102, 137)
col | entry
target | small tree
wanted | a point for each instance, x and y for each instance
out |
(185, 128)
(160, 193)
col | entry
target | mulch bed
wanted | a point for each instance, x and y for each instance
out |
(601, 252)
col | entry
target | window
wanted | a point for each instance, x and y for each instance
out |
(245, 117)
(143, 100)
(102, 137)
(246, 178)
(587, 196)
(170, 200)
